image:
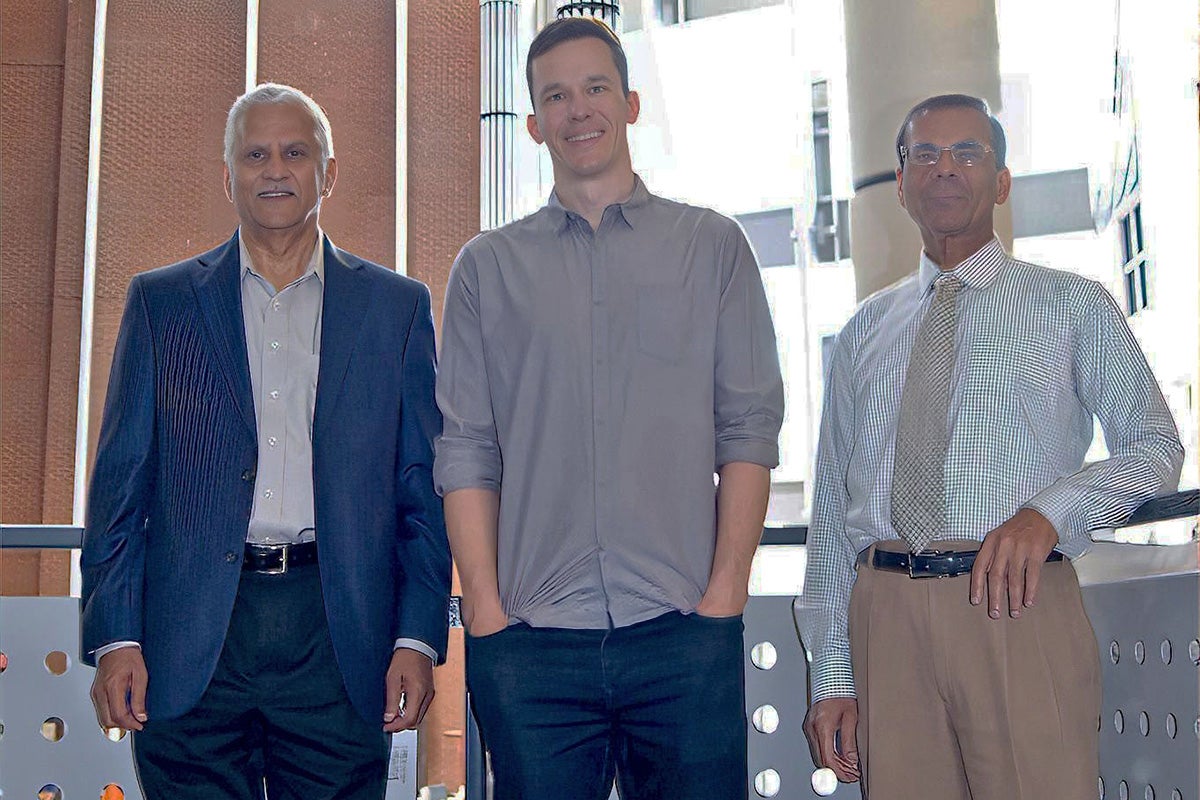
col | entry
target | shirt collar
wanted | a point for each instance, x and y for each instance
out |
(316, 262)
(976, 272)
(629, 210)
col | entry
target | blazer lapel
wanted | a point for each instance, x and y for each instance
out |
(347, 298)
(219, 293)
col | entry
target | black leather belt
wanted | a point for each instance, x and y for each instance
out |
(276, 559)
(931, 563)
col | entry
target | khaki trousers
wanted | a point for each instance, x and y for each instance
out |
(954, 705)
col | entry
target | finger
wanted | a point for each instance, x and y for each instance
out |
(393, 696)
(117, 691)
(417, 701)
(1033, 577)
(983, 561)
(1016, 588)
(137, 695)
(849, 741)
(100, 701)
(997, 577)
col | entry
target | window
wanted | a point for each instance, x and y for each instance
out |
(1134, 261)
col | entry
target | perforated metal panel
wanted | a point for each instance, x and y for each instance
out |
(1150, 716)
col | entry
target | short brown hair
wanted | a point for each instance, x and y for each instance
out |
(568, 29)
(999, 143)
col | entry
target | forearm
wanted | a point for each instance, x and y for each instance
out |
(741, 507)
(471, 520)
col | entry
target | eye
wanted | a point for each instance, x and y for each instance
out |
(254, 155)
(598, 89)
(553, 98)
(294, 153)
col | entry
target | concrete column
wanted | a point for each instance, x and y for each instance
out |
(895, 57)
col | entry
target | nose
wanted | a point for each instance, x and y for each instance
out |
(945, 165)
(274, 167)
(578, 107)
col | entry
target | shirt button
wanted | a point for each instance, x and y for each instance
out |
(271, 440)
(276, 305)
(230, 557)
(274, 394)
(274, 345)
(267, 493)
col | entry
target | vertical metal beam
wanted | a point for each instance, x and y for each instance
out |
(251, 44)
(401, 262)
(497, 111)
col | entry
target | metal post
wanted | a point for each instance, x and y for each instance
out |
(497, 113)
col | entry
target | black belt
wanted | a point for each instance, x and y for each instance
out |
(276, 559)
(931, 563)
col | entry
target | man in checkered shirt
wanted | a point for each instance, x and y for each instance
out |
(984, 685)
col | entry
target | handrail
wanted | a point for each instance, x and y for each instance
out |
(70, 537)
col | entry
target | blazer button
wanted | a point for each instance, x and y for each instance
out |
(248, 475)
(230, 557)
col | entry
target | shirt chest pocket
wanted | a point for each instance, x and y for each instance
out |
(662, 321)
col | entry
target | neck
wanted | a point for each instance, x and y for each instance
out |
(588, 198)
(950, 251)
(280, 256)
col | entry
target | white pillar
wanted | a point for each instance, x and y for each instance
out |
(897, 54)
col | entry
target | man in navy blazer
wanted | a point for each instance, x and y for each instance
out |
(266, 572)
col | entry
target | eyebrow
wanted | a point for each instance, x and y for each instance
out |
(597, 78)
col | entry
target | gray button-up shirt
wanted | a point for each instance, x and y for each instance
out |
(596, 380)
(283, 345)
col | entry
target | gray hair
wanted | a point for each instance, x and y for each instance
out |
(272, 93)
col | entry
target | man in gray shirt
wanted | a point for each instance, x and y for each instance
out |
(601, 360)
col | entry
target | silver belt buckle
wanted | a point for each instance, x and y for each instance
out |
(283, 561)
(912, 560)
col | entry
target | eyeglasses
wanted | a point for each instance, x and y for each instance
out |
(965, 154)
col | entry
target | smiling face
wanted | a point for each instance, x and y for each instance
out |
(276, 179)
(946, 199)
(581, 112)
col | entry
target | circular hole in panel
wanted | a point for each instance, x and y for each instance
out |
(1176, 794)
(1149, 793)
(1164, 650)
(1144, 723)
(1119, 721)
(765, 719)
(1123, 790)
(763, 655)
(57, 662)
(1101, 788)
(1194, 651)
(112, 792)
(1114, 651)
(53, 729)
(1172, 726)
(1139, 651)
(766, 783)
(114, 734)
(49, 792)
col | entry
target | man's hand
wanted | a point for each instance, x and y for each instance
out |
(721, 601)
(484, 618)
(119, 689)
(1010, 562)
(409, 690)
(828, 723)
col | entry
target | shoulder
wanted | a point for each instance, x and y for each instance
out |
(875, 307)
(384, 279)
(181, 273)
(1067, 292)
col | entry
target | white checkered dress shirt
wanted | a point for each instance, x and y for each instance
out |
(1039, 352)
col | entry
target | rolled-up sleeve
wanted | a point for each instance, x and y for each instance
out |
(748, 388)
(468, 453)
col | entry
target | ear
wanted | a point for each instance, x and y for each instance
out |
(228, 184)
(635, 107)
(535, 133)
(1003, 186)
(900, 186)
(330, 177)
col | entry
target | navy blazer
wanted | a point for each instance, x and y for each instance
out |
(173, 480)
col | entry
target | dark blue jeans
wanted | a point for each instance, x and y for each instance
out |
(659, 705)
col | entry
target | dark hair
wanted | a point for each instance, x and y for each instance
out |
(999, 143)
(568, 29)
